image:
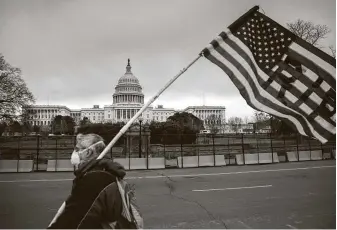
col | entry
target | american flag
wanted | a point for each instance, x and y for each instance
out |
(279, 73)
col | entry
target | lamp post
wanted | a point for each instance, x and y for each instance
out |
(140, 136)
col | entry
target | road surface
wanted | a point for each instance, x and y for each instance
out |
(284, 195)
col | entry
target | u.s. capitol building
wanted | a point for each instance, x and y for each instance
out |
(128, 98)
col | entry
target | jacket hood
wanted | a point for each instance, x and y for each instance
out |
(104, 164)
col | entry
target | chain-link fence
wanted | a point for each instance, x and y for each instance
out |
(40, 149)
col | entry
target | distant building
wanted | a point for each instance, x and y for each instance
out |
(128, 99)
(212, 116)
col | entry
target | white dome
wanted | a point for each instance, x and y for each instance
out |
(128, 89)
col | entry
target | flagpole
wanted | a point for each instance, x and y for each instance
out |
(126, 127)
(129, 123)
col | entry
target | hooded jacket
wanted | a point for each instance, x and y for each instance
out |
(95, 201)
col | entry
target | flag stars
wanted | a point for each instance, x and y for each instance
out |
(266, 49)
(260, 55)
(266, 55)
(279, 54)
(238, 32)
(260, 61)
(289, 39)
(243, 28)
(282, 39)
(278, 47)
(267, 61)
(267, 66)
(265, 43)
(281, 33)
(273, 60)
(259, 43)
(274, 29)
(272, 54)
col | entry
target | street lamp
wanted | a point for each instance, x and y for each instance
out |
(140, 119)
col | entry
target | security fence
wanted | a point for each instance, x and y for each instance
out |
(172, 149)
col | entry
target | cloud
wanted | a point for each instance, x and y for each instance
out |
(73, 52)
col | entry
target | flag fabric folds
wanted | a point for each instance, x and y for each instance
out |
(279, 73)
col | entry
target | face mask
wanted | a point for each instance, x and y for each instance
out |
(75, 159)
(75, 156)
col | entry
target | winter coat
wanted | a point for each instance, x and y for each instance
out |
(99, 199)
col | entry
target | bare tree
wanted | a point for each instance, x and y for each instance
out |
(235, 122)
(14, 93)
(261, 119)
(308, 31)
(333, 51)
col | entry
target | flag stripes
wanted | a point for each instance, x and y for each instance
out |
(279, 73)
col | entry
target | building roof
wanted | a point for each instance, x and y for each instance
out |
(205, 107)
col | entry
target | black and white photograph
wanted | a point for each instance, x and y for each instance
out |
(194, 114)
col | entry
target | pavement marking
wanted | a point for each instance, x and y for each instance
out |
(245, 225)
(290, 226)
(41, 180)
(183, 175)
(230, 173)
(236, 188)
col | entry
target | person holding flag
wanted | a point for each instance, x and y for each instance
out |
(99, 198)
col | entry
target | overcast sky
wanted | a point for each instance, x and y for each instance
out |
(74, 52)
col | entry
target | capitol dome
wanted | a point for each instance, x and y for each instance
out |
(128, 90)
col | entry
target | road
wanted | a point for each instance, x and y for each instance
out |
(285, 195)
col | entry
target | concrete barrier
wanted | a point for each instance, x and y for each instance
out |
(123, 161)
(266, 158)
(292, 156)
(138, 163)
(326, 156)
(282, 158)
(239, 159)
(187, 162)
(251, 159)
(316, 155)
(304, 155)
(25, 166)
(8, 165)
(220, 160)
(16, 165)
(61, 165)
(207, 160)
(157, 163)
